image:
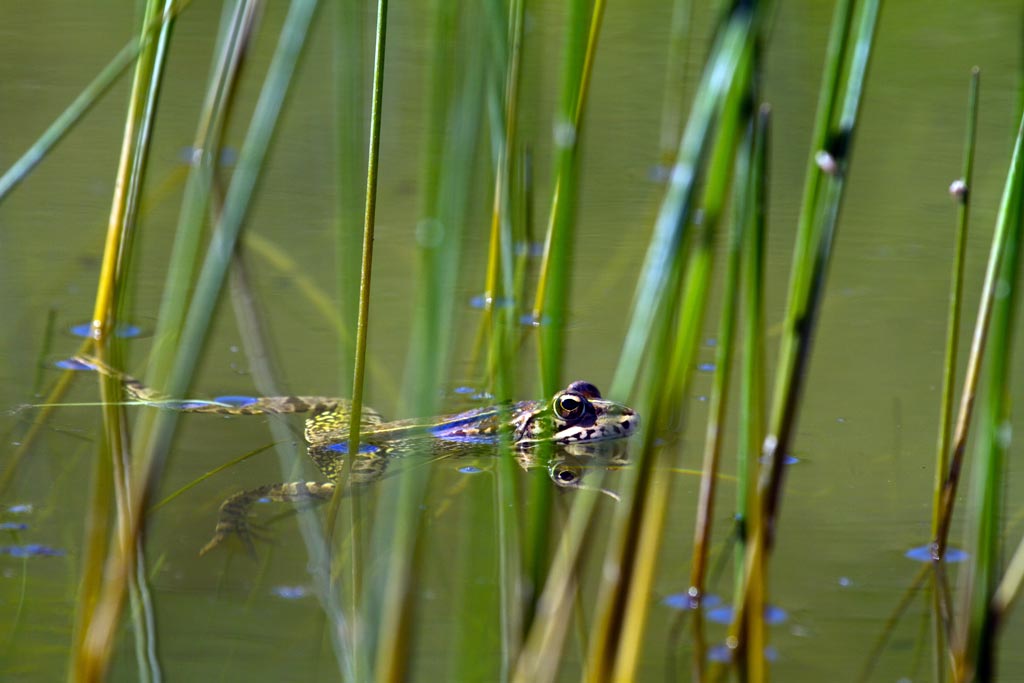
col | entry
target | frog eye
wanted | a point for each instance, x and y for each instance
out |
(569, 406)
(565, 475)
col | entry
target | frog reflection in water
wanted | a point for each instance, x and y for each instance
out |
(577, 421)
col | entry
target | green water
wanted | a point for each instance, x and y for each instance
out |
(857, 500)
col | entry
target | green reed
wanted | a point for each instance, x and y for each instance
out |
(962, 196)
(553, 283)
(236, 30)
(447, 166)
(839, 102)
(617, 630)
(675, 70)
(975, 637)
(369, 224)
(967, 631)
(723, 147)
(753, 179)
(724, 352)
(499, 324)
(972, 375)
(1009, 589)
(582, 31)
(654, 492)
(955, 298)
(831, 145)
(154, 28)
(151, 41)
(98, 635)
(351, 102)
(671, 226)
(103, 590)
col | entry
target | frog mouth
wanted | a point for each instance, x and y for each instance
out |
(621, 423)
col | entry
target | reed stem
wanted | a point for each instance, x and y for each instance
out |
(962, 196)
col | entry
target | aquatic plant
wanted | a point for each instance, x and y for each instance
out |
(540, 552)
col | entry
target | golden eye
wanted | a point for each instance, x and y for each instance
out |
(565, 475)
(569, 406)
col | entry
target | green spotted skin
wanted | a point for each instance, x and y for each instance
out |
(578, 420)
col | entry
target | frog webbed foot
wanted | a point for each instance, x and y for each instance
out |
(246, 532)
(234, 512)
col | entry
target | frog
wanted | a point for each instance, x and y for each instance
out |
(577, 422)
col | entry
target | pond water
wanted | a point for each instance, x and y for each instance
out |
(858, 497)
